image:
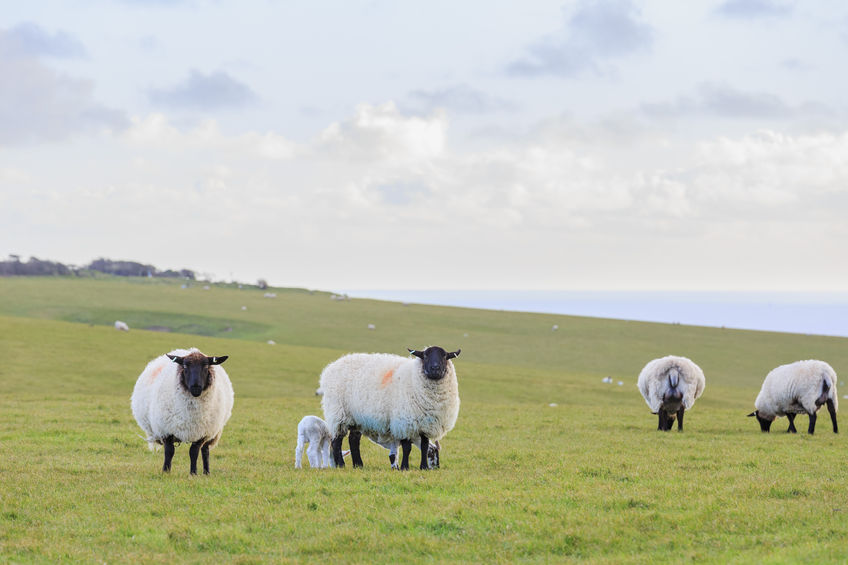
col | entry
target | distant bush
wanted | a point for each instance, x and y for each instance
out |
(34, 267)
(38, 268)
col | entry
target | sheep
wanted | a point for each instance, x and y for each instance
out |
(383, 395)
(670, 385)
(314, 431)
(183, 396)
(433, 450)
(121, 326)
(797, 388)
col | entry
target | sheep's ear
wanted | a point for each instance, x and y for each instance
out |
(454, 354)
(419, 354)
(175, 359)
(754, 413)
(217, 360)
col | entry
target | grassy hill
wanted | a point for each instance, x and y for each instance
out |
(521, 480)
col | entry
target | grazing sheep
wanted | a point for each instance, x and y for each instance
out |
(390, 443)
(314, 431)
(797, 388)
(183, 396)
(389, 396)
(122, 326)
(670, 385)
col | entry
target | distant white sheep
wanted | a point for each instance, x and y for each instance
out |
(670, 385)
(797, 388)
(183, 397)
(121, 326)
(313, 430)
(382, 395)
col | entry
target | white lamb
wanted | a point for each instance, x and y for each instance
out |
(314, 431)
(433, 450)
(670, 385)
(183, 396)
(121, 326)
(389, 396)
(797, 388)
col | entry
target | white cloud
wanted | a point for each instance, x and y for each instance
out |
(594, 33)
(38, 104)
(751, 9)
(205, 91)
(347, 207)
(30, 40)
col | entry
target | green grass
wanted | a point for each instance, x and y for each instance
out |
(586, 480)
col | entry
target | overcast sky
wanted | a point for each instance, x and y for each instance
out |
(616, 144)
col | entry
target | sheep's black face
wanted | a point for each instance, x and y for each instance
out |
(195, 373)
(765, 424)
(673, 396)
(434, 361)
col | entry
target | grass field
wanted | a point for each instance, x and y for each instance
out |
(586, 480)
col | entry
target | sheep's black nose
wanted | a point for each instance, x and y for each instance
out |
(195, 391)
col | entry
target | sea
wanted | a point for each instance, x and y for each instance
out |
(816, 313)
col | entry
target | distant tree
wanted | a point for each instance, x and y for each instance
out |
(34, 267)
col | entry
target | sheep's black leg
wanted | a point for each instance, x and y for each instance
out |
(661, 416)
(812, 423)
(353, 440)
(204, 452)
(406, 447)
(169, 453)
(425, 450)
(791, 429)
(337, 450)
(680, 418)
(832, 409)
(392, 458)
(192, 454)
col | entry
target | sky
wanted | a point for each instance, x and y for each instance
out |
(591, 145)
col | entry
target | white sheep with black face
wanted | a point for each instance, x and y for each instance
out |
(670, 385)
(183, 397)
(797, 388)
(389, 396)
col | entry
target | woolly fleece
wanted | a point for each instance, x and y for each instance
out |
(794, 388)
(653, 381)
(162, 407)
(385, 395)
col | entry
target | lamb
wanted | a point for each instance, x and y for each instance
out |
(670, 385)
(797, 388)
(183, 396)
(121, 326)
(433, 450)
(389, 396)
(314, 431)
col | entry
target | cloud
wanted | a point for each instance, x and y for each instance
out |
(39, 104)
(594, 33)
(382, 133)
(346, 207)
(720, 100)
(461, 99)
(30, 40)
(753, 9)
(201, 91)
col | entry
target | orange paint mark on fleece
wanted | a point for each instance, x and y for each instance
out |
(155, 373)
(387, 378)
